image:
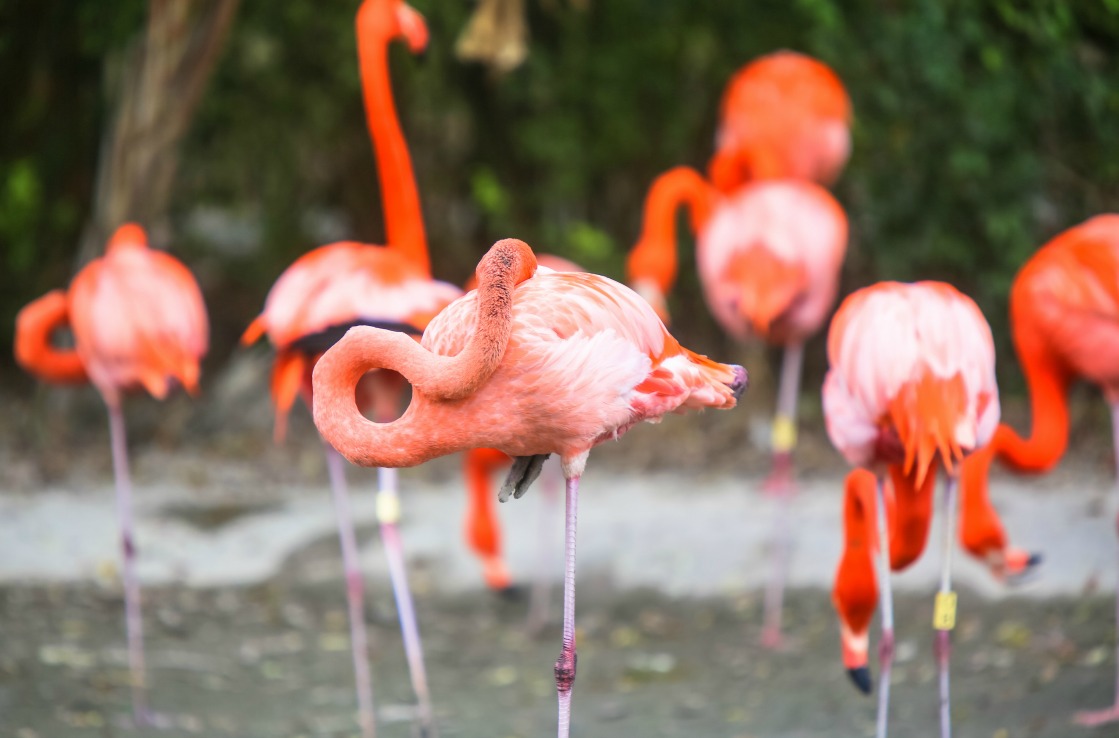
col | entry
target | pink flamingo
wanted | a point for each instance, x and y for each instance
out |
(342, 284)
(911, 386)
(769, 257)
(1064, 315)
(533, 362)
(139, 323)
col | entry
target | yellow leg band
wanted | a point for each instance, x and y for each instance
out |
(388, 508)
(784, 436)
(944, 612)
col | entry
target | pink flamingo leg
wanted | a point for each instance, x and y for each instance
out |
(780, 484)
(539, 599)
(886, 646)
(388, 513)
(355, 591)
(1111, 714)
(943, 641)
(565, 664)
(134, 622)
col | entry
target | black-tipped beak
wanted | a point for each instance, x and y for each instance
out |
(861, 679)
(1034, 560)
(738, 386)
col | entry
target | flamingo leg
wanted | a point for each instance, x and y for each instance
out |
(388, 514)
(944, 618)
(780, 484)
(133, 620)
(1111, 714)
(355, 591)
(565, 664)
(886, 646)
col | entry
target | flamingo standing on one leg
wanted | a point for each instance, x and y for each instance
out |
(911, 384)
(139, 322)
(1064, 314)
(336, 286)
(530, 364)
(769, 259)
(784, 116)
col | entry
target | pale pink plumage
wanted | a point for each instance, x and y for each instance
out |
(138, 319)
(587, 359)
(770, 257)
(892, 335)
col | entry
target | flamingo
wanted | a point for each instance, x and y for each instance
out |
(345, 283)
(770, 243)
(483, 531)
(531, 363)
(783, 115)
(769, 257)
(1064, 311)
(139, 323)
(911, 386)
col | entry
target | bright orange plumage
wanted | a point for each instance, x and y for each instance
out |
(34, 351)
(1064, 314)
(785, 115)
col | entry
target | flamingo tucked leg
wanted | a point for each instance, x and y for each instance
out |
(355, 590)
(133, 620)
(1111, 714)
(780, 484)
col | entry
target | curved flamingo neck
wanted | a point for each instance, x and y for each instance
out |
(433, 423)
(1048, 387)
(35, 324)
(654, 257)
(403, 218)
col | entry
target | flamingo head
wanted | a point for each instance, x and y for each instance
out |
(389, 19)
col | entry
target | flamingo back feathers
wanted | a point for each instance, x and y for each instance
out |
(772, 251)
(914, 358)
(138, 318)
(1065, 301)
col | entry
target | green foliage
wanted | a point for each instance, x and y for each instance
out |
(982, 129)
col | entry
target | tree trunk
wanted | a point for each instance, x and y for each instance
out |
(154, 88)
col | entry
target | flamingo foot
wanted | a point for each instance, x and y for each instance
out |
(1097, 718)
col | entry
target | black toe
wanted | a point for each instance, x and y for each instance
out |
(861, 679)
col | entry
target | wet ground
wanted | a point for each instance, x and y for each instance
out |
(245, 614)
(273, 660)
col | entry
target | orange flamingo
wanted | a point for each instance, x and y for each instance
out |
(1064, 313)
(139, 323)
(533, 362)
(783, 115)
(343, 284)
(770, 243)
(911, 386)
(769, 257)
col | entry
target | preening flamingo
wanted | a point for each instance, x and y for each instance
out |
(1064, 315)
(769, 257)
(342, 284)
(483, 530)
(533, 362)
(911, 386)
(139, 322)
(783, 115)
